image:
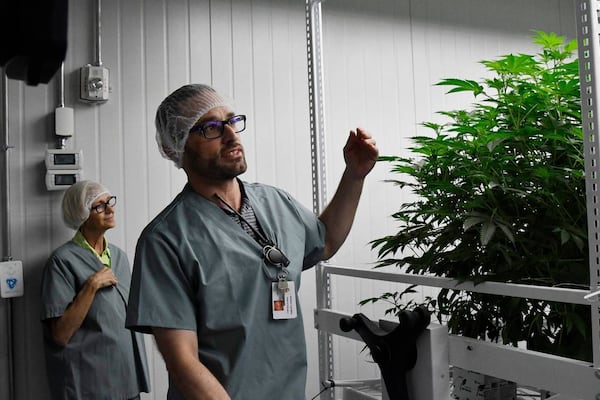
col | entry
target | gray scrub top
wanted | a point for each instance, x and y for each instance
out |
(103, 360)
(197, 269)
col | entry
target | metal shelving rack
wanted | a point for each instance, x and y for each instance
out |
(568, 378)
(318, 157)
(588, 37)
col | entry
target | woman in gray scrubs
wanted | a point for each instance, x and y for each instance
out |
(85, 285)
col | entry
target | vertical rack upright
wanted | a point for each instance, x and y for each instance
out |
(588, 38)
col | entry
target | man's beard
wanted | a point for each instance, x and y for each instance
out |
(213, 168)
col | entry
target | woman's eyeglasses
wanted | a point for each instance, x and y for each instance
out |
(100, 208)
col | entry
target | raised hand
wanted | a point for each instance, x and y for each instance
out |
(360, 153)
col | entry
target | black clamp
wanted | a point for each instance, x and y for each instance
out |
(393, 346)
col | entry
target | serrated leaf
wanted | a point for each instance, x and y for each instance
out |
(472, 221)
(487, 232)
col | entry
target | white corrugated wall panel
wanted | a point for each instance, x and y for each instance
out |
(151, 47)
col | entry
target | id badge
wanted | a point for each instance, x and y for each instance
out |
(283, 302)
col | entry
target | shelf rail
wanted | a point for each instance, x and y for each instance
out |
(572, 379)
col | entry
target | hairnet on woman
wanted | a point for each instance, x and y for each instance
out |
(77, 202)
(85, 286)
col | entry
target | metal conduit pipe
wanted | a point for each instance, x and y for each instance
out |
(61, 140)
(99, 32)
(61, 86)
(6, 179)
(6, 239)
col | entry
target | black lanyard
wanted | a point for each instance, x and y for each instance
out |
(269, 249)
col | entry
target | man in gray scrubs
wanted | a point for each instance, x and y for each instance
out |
(216, 273)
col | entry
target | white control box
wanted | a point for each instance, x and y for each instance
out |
(94, 83)
(64, 159)
(11, 279)
(61, 179)
(64, 121)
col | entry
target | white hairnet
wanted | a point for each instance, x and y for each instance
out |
(178, 113)
(77, 202)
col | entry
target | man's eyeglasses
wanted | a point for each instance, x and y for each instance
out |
(100, 208)
(215, 129)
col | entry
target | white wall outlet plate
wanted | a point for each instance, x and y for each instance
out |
(11, 279)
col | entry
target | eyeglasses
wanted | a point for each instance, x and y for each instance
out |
(100, 208)
(215, 129)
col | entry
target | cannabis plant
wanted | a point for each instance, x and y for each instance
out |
(500, 196)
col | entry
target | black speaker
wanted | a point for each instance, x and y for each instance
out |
(33, 38)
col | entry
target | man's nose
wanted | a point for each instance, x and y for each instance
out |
(229, 132)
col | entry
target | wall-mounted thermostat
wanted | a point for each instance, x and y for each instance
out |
(64, 159)
(94, 84)
(61, 179)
